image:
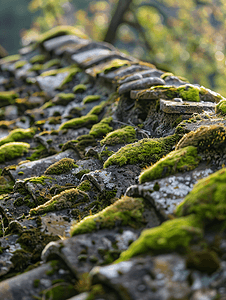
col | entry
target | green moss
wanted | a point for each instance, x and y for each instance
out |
(66, 199)
(7, 98)
(79, 88)
(71, 73)
(85, 186)
(90, 98)
(114, 64)
(64, 98)
(35, 67)
(170, 236)
(189, 93)
(81, 173)
(221, 107)
(62, 166)
(204, 138)
(102, 128)
(80, 144)
(19, 64)
(39, 180)
(18, 134)
(126, 211)
(60, 70)
(165, 75)
(145, 151)
(47, 105)
(51, 63)
(80, 122)
(12, 150)
(60, 291)
(5, 186)
(207, 200)
(123, 135)
(59, 31)
(40, 58)
(185, 159)
(9, 59)
(96, 110)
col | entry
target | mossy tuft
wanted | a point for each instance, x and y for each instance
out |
(80, 122)
(172, 235)
(91, 98)
(145, 151)
(204, 138)
(189, 93)
(176, 161)
(62, 166)
(221, 107)
(12, 150)
(102, 128)
(207, 200)
(18, 134)
(123, 135)
(66, 199)
(7, 98)
(126, 211)
(79, 88)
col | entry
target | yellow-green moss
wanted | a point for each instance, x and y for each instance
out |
(90, 98)
(221, 107)
(59, 31)
(18, 134)
(115, 64)
(71, 73)
(59, 291)
(85, 186)
(204, 138)
(64, 98)
(165, 75)
(66, 199)
(126, 211)
(80, 122)
(7, 98)
(123, 135)
(62, 166)
(9, 58)
(40, 58)
(189, 93)
(39, 180)
(145, 151)
(176, 161)
(79, 88)
(19, 64)
(96, 110)
(102, 128)
(60, 70)
(207, 200)
(52, 63)
(170, 236)
(12, 150)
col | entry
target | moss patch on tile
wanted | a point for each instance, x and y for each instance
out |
(221, 107)
(9, 59)
(170, 236)
(167, 74)
(115, 64)
(79, 88)
(66, 199)
(80, 144)
(189, 93)
(40, 58)
(123, 135)
(52, 63)
(207, 200)
(145, 151)
(63, 98)
(204, 138)
(19, 64)
(181, 160)
(7, 98)
(91, 98)
(102, 128)
(80, 122)
(126, 211)
(60, 167)
(96, 110)
(59, 31)
(12, 150)
(18, 134)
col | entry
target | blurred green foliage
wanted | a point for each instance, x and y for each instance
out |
(186, 38)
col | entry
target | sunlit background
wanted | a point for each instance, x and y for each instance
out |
(186, 38)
